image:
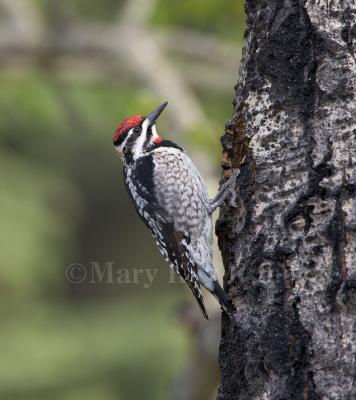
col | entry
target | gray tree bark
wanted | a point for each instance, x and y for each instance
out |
(289, 246)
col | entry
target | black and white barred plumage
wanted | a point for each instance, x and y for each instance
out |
(170, 197)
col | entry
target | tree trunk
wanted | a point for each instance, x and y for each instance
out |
(289, 246)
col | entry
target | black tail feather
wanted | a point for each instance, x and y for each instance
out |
(202, 307)
(224, 302)
(199, 297)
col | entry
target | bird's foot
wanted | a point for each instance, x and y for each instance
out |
(226, 189)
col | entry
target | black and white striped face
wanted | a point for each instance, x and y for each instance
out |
(136, 135)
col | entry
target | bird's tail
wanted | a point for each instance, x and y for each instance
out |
(220, 295)
(199, 297)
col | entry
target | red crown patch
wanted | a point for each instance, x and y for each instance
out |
(126, 125)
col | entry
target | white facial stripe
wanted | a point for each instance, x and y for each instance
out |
(137, 150)
(145, 125)
(123, 144)
(154, 133)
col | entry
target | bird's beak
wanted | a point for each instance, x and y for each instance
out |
(153, 116)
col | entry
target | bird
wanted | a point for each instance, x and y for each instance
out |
(170, 197)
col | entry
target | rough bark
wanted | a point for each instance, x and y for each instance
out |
(289, 247)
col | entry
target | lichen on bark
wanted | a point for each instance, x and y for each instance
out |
(289, 246)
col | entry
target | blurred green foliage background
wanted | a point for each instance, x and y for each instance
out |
(62, 198)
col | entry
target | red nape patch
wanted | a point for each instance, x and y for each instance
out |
(126, 125)
(157, 140)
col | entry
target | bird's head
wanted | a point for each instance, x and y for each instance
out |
(135, 135)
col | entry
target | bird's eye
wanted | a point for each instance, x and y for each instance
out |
(137, 129)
